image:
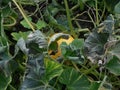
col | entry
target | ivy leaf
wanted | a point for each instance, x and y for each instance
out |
(114, 66)
(74, 80)
(4, 81)
(53, 69)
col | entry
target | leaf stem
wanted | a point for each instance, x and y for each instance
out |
(23, 14)
(69, 19)
(97, 19)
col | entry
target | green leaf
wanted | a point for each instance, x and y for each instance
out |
(70, 52)
(17, 36)
(21, 44)
(106, 86)
(40, 24)
(94, 45)
(35, 71)
(4, 3)
(114, 66)
(110, 4)
(77, 44)
(74, 80)
(73, 51)
(53, 69)
(4, 81)
(94, 85)
(116, 10)
(7, 64)
(38, 38)
(25, 24)
(115, 50)
(6, 11)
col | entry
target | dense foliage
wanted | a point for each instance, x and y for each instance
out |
(83, 36)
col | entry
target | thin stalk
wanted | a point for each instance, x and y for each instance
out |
(69, 19)
(97, 19)
(23, 14)
(103, 81)
(11, 24)
(91, 19)
(103, 12)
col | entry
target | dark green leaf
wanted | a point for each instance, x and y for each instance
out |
(94, 45)
(77, 44)
(4, 81)
(73, 51)
(114, 66)
(6, 11)
(117, 8)
(110, 4)
(115, 50)
(34, 73)
(74, 80)
(4, 3)
(95, 85)
(7, 64)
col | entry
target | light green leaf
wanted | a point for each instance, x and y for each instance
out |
(40, 24)
(53, 69)
(74, 80)
(114, 66)
(4, 81)
(17, 36)
(25, 24)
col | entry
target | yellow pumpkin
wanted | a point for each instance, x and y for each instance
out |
(59, 40)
